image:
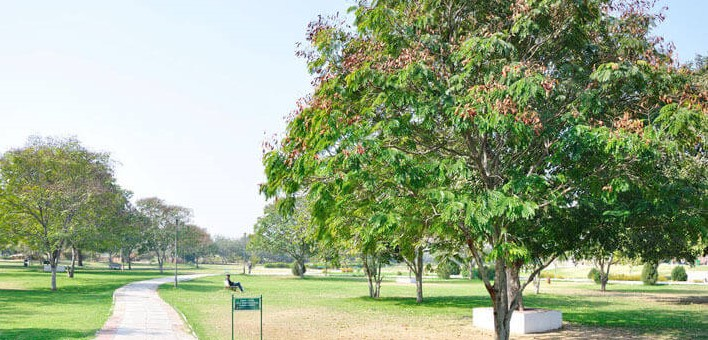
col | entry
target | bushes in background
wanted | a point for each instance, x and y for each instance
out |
(679, 274)
(650, 274)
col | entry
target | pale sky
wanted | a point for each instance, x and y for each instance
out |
(181, 93)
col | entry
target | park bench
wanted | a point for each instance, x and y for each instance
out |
(227, 286)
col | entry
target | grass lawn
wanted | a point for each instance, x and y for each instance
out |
(79, 307)
(337, 307)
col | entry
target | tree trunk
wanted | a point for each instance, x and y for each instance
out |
(377, 279)
(514, 285)
(502, 314)
(81, 257)
(419, 276)
(367, 271)
(537, 283)
(605, 275)
(70, 272)
(53, 259)
(160, 262)
(372, 268)
(122, 258)
(301, 264)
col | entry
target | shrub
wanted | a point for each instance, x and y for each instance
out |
(465, 272)
(296, 269)
(679, 274)
(447, 268)
(347, 269)
(490, 273)
(276, 265)
(594, 275)
(650, 274)
(443, 273)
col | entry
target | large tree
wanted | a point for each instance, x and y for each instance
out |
(52, 192)
(230, 249)
(162, 221)
(500, 101)
(285, 234)
(194, 243)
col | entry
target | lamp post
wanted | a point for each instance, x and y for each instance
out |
(176, 229)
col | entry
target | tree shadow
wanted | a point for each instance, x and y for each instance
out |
(43, 333)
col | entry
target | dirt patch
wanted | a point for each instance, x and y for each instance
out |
(11, 286)
(315, 323)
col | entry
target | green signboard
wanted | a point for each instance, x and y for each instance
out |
(246, 304)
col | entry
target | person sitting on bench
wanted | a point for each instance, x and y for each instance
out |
(232, 284)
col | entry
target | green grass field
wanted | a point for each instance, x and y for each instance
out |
(80, 306)
(337, 307)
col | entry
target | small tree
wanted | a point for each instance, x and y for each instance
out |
(679, 274)
(650, 273)
(594, 275)
(278, 233)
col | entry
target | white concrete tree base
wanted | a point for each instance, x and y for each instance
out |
(405, 280)
(528, 321)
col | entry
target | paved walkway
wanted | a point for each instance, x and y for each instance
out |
(139, 313)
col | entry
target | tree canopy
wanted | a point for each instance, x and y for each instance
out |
(502, 117)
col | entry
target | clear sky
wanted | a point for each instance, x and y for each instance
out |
(181, 93)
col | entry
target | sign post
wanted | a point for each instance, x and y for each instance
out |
(246, 304)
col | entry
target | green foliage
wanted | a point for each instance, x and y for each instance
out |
(476, 274)
(447, 268)
(495, 126)
(594, 274)
(464, 272)
(277, 265)
(162, 223)
(284, 234)
(650, 274)
(679, 274)
(56, 193)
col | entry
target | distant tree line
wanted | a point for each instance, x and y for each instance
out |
(57, 196)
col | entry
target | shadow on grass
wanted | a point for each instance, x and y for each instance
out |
(576, 310)
(334, 278)
(447, 302)
(42, 333)
(604, 312)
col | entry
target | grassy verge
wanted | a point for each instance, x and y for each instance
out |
(337, 307)
(80, 306)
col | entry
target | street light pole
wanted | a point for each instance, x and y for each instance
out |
(176, 228)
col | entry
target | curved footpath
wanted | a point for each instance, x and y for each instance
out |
(139, 313)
